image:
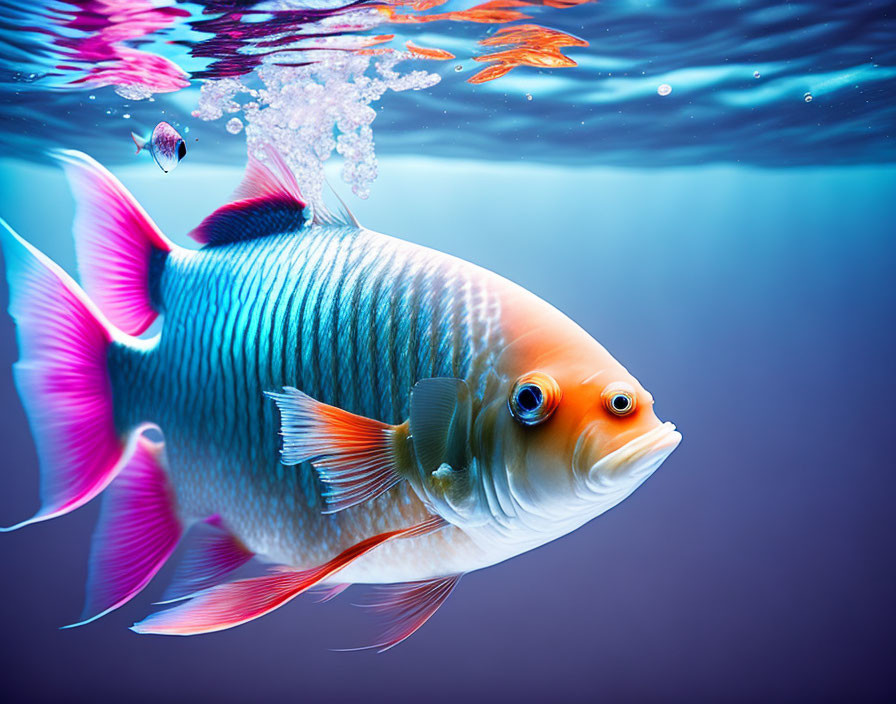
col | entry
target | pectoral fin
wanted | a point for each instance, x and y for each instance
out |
(441, 416)
(357, 458)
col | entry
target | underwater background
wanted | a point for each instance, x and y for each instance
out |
(731, 243)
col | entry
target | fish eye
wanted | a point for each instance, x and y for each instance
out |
(533, 398)
(181, 150)
(619, 399)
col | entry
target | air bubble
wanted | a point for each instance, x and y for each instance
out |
(528, 96)
(664, 89)
(756, 74)
(136, 91)
(127, 116)
(234, 125)
(807, 97)
(458, 68)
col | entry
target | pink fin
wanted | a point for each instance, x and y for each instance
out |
(62, 379)
(356, 457)
(273, 179)
(234, 603)
(212, 554)
(137, 532)
(115, 241)
(407, 606)
(267, 202)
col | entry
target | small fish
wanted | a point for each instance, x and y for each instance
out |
(340, 405)
(165, 144)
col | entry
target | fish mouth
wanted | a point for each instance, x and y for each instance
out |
(636, 460)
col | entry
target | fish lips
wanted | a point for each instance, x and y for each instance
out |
(629, 465)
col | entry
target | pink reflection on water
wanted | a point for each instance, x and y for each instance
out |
(91, 38)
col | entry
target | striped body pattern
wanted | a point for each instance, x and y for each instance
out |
(351, 317)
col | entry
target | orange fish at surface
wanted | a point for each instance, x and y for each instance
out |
(490, 73)
(528, 44)
(492, 12)
(532, 34)
(419, 5)
(563, 4)
(428, 53)
(531, 45)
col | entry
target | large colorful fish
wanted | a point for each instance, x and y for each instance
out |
(344, 406)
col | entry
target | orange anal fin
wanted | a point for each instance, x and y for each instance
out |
(234, 603)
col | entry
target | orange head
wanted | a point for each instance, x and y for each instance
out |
(559, 432)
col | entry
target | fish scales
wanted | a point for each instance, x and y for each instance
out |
(327, 311)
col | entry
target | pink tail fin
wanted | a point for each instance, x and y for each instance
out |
(137, 532)
(234, 603)
(62, 379)
(116, 242)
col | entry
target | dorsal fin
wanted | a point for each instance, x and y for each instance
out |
(342, 218)
(267, 202)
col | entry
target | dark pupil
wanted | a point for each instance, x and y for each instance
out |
(181, 150)
(529, 398)
(620, 402)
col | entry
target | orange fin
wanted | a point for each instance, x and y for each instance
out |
(234, 603)
(428, 53)
(355, 457)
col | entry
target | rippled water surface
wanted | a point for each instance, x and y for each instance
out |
(763, 83)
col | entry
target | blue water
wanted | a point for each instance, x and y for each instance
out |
(756, 304)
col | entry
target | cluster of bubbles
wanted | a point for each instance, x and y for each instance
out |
(308, 112)
(134, 91)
